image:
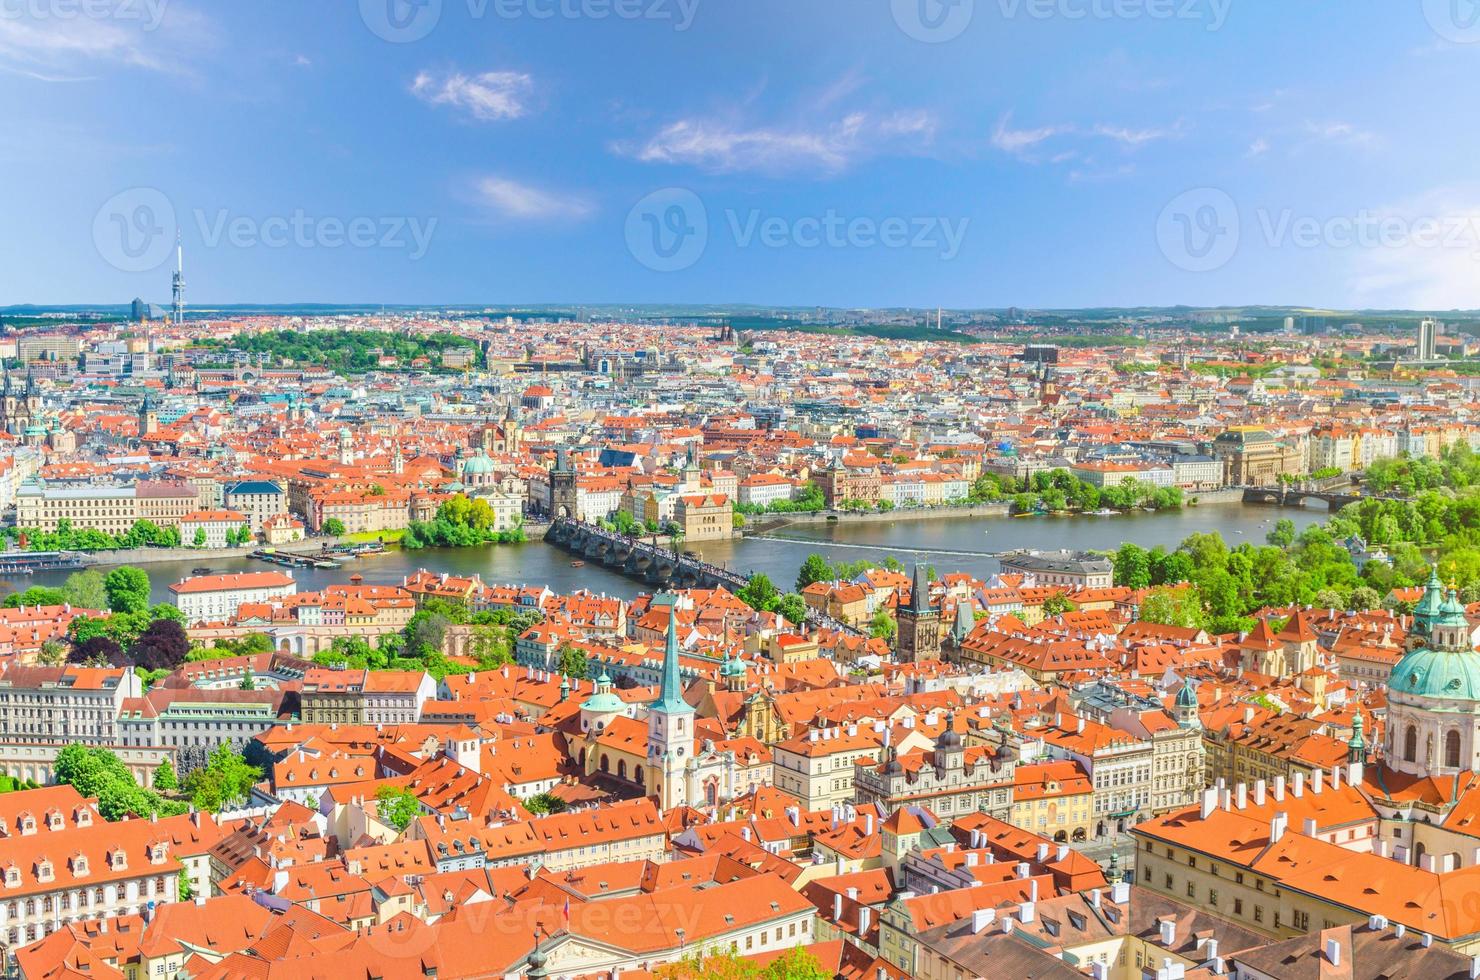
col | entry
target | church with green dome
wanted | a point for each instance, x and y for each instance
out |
(1433, 726)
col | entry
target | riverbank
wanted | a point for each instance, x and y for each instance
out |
(765, 523)
(156, 556)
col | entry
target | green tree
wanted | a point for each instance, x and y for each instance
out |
(334, 527)
(1364, 597)
(541, 803)
(199, 541)
(1173, 607)
(1133, 566)
(397, 806)
(573, 663)
(127, 589)
(1057, 604)
(224, 780)
(1283, 534)
(883, 626)
(793, 607)
(760, 593)
(85, 590)
(36, 595)
(96, 772)
(815, 568)
(164, 777)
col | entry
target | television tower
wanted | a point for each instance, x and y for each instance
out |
(178, 281)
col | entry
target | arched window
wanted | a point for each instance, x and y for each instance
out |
(605, 763)
(639, 775)
(1410, 744)
(621, 768)
(1451, 749)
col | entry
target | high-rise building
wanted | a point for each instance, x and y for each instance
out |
(1428, 340)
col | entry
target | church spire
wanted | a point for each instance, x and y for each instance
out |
(670, 696)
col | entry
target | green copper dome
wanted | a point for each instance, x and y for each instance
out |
(1449, 674)
(479, 463)
(604, 701)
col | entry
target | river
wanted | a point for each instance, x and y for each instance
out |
(950, 544)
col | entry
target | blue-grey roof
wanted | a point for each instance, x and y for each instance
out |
(254, 487)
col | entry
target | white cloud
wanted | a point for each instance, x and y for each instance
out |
(827, 141)
(144, 35)
(1340, 132)
(1133, 138)
(1258, 148)
(512, 199)
(1428, 257)
(491, 96)
(1019, 141)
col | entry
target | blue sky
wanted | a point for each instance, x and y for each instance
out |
(1050, 153)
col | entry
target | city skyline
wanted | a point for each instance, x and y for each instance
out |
(1055, 155)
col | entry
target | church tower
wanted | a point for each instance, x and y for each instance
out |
(12, 407)
(919, 623)
(671, 723)
(148, 416)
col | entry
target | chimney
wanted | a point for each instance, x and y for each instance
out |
(1317, 779)
(1279, 789)
(1027, 912)
(1209, 802)
(837, 906)
(982, 918)
(1033, 889)
(1309, 828)
(1277, 825)
(1120, 892)
(1168, 932)
(1094, 898)
(864, 915)
(1333, 952)
(1241, 796)
(1298, 790)
(1259, 793)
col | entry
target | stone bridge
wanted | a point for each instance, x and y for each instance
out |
(643, 561)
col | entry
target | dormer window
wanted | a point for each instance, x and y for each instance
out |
(27, 823)
(79, 865)
(83, 817)
(157, 853)
(12, 877)
(55, 820)
(117, 860)
(43, 870)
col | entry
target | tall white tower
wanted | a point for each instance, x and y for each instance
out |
(177, 287)
(671, 724)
